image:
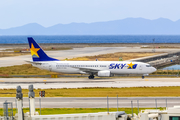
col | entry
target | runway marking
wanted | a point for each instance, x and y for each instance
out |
(1, 80)
(44, 81)
(146, 80)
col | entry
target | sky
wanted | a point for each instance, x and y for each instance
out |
(47, 13)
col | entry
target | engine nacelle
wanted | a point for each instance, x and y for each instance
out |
(145, 74)
(104, 73)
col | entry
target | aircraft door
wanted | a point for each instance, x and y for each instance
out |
(50, 67)
(140, 67)
(140, 71)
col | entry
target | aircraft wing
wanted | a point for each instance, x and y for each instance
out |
(88, 70)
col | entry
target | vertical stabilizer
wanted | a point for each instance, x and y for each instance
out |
(37, 53)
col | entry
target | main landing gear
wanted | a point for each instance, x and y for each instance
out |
(91, 77)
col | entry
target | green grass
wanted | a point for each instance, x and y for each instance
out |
(50, 111)
(101, 92)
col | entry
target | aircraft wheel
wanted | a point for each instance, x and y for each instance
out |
(91, 77)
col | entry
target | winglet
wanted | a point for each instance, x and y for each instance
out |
(37, 53)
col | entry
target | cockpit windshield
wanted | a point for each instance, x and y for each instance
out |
(148, 66)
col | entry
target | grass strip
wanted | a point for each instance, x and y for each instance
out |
(51, 111)
(101, 92)
(10, 54)
(114, 56)
(26, 69)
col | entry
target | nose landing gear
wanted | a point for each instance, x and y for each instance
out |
(144, 75)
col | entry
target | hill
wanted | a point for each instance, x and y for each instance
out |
(128, 26)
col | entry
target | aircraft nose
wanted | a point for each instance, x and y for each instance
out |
(154, 69)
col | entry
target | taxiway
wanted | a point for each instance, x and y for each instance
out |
(47, 83)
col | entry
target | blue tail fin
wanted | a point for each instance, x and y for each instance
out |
(37, 53)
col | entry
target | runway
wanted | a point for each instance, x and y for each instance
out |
(98, 102)
(47, 83)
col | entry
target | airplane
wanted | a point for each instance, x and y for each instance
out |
(99, 68)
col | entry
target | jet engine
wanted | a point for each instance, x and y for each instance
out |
(104, 73)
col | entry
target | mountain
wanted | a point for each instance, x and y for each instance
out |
(128, 26)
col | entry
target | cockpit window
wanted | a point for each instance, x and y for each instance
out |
(148, 66)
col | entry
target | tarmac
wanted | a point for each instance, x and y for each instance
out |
(47, 83)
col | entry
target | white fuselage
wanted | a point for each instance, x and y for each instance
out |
(82, 67)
